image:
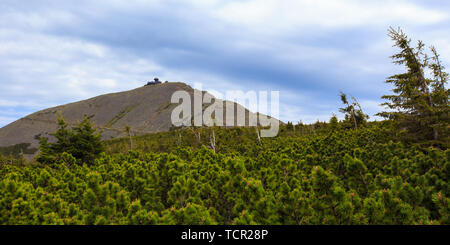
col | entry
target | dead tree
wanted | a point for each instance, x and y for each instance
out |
(213, 141)
(196, 134)
(128, 131)
(258, 135)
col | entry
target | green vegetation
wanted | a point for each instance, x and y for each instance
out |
(420, 104)
(81, 142)
(314, 176)
(353, 112)
(337, 172)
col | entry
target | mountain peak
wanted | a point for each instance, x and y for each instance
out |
(146, 109)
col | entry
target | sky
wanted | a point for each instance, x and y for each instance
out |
(57, 52)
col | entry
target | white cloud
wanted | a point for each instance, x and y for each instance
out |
(371, 107)
(275, 16)
(48, 70)
(41, 66)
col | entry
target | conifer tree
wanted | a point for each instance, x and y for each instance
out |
(82, 142)
(353, 111)
(419, 104)
(86, 142)
(62, 135)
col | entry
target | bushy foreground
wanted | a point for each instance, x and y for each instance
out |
(338, 177)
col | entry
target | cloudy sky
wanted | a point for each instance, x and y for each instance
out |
(56, 52)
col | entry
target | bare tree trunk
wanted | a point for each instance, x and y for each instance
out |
(354, 118)
(259, 137)
(213, 141)
(196, 135)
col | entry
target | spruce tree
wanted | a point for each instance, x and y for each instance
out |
(82, 142)
(419, 104)
(86, 142)
(63, 135)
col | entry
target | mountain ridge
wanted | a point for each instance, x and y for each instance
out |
(145, 109)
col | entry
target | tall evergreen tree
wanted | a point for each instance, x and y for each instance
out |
(420, 104)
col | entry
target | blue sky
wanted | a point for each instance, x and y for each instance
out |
(56, 52)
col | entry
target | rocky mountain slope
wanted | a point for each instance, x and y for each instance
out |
(146, 110)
